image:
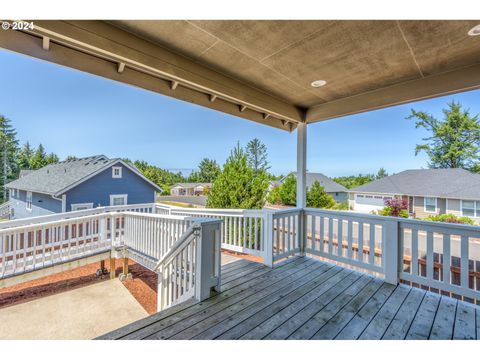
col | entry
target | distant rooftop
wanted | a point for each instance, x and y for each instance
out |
(53, 179)
(446, 183)
(328, 184)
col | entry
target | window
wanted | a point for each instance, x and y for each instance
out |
(430, 204)
(29, 201)
(116, 172)
(118, 200)
(470, 208)
(84, 206)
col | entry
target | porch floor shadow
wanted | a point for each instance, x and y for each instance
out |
(303, 298)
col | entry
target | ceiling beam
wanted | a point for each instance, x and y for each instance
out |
(111, 43)
(32, 46)
(463, 79)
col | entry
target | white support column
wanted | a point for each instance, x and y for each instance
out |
(301, 165)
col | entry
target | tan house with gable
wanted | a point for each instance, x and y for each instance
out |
(428, 192)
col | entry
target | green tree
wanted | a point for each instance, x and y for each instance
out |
(8, 155)
(453, 141)
(288, 190)
(274, 196)
(353, 181)
(381, 173)
(257, 155)
(318, 198)
(39, 158)
(51, 159)
(70, 158)
(25, 156)
(238, 185)
(208, 170)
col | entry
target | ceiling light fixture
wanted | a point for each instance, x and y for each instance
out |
(475, 31)
(318, 83)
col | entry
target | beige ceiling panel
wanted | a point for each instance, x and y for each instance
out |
(442, 45)
(222, 57)
(353, 57)
(178, 35)
(260, 39)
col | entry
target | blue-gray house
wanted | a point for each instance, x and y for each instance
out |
(78, 185)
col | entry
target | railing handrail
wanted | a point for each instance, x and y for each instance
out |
(177, 246)
(70, 214)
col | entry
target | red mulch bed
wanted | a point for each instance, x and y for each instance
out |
(142, 286)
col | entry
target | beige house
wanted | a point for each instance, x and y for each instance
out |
(427, 191)
(190, 189)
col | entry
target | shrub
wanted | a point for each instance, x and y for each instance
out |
(318, 198)
(395, 207)
(340, 206)
(450, 218)
(274, 196)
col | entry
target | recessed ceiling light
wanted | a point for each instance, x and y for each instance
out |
(475, 31)
(318, 83)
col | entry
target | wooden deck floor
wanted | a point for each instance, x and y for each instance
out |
(303, 298)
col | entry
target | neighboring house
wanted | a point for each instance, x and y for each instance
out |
(427, 191)
(190, 189)
(337, 191)
(79, 184)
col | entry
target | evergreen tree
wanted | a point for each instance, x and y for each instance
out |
(238, 185)
(381, 173)
(39, 158)
(208, 170)
(288, 190)
(8, 154)
(25, 156)
(51, 159)
(318, 198)
(257, 155)
(454, 140)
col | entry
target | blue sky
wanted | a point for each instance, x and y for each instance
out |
(74, 113)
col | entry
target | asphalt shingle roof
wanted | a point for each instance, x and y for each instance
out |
(328, 184)
(53, 178)
(446, 183)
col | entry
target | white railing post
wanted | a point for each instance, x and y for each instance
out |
(302, 231)
(391, 249)
(207, 267)
(268, 238)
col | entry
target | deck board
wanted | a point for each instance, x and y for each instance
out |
(302, 298)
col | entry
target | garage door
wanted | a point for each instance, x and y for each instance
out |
(368, 203)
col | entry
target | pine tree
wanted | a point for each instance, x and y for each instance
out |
(208, 171)
(318, 198)
(454, 140)
(257, 155)
(238, 186)
(52, 159)
(25, 156)
(39, 159)
(8, 153)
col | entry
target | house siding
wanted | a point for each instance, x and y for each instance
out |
(339, 196)
(419, 207)
(42, 204)
(454, 207)
(97, 190)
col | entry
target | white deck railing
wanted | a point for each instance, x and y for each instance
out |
(438, 256)
(5, 210)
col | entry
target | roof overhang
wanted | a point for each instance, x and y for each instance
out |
(262, 70)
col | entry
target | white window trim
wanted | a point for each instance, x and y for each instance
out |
(125, 196)
(425, 204)
(119, 168)
(29, 194)
(475, 209)
(74, 206)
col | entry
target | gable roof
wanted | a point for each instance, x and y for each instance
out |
(328, 184)
(445, 183)
(55, 179)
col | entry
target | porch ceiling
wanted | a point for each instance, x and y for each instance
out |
(262, 70)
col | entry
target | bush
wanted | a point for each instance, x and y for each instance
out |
(274, 197)
(395, 207)
(288, 190)
(318, 198)
(450, 218)
(341, 206)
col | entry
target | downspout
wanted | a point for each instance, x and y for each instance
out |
(63, 199)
